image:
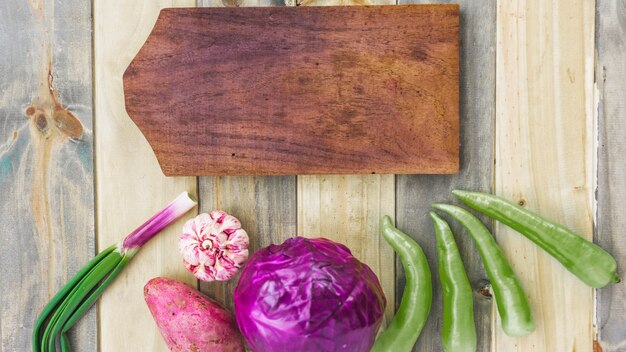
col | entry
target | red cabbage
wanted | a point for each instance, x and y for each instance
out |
(308, 295)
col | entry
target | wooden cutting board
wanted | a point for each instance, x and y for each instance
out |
(294, 90)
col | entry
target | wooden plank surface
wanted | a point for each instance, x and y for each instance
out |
(347, 209)
(544, 117)
(344, 208)
(415, 193)
(130, 185)
(544, 157)
(46, 162)
(611, 83)
(266, 206)
(239, 3)
(286, 90)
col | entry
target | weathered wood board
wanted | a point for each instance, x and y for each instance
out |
(265, 205)
(46, 162)
(544, 157)
(130, 185)
(286, 91)
(349, 213)
(545, 62)
(611, 219)
(415, 193)
(347, 209)
(239, 3)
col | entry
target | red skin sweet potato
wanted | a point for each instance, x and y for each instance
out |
(188, 320)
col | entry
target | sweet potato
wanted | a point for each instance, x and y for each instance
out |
(189, 320)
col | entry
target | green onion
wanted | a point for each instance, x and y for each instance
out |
(83, 290)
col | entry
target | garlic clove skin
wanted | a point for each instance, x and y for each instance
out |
(214, 246)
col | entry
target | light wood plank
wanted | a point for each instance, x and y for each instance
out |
(544, 157)
(348, 209)
(342, 2)
(240, 3)
(46, 162)
(611, 82)
(266, 207)
(130, 184)
(415, 193)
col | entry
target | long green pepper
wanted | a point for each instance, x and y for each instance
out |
(406, 325)
(458, 332)
(511, 300)
(590, 263)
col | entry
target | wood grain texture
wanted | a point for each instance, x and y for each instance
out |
(286, 91)
(611, 219)
(343, 2)
(415, 193)
(266, 207)
(130, 186)
(544, 157)
(348, 209)
(240, 3)
(46, 162)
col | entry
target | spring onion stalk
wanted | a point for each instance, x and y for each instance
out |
(83, 290)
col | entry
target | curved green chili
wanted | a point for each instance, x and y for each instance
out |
(511, 300)
(411, 316)
(458, 332)
(590, 263)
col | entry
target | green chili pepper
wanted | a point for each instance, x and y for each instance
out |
(590, 263)
(458, 332)
(511, 300)
(411, 316)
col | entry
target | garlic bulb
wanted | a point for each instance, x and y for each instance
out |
(214, 246)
